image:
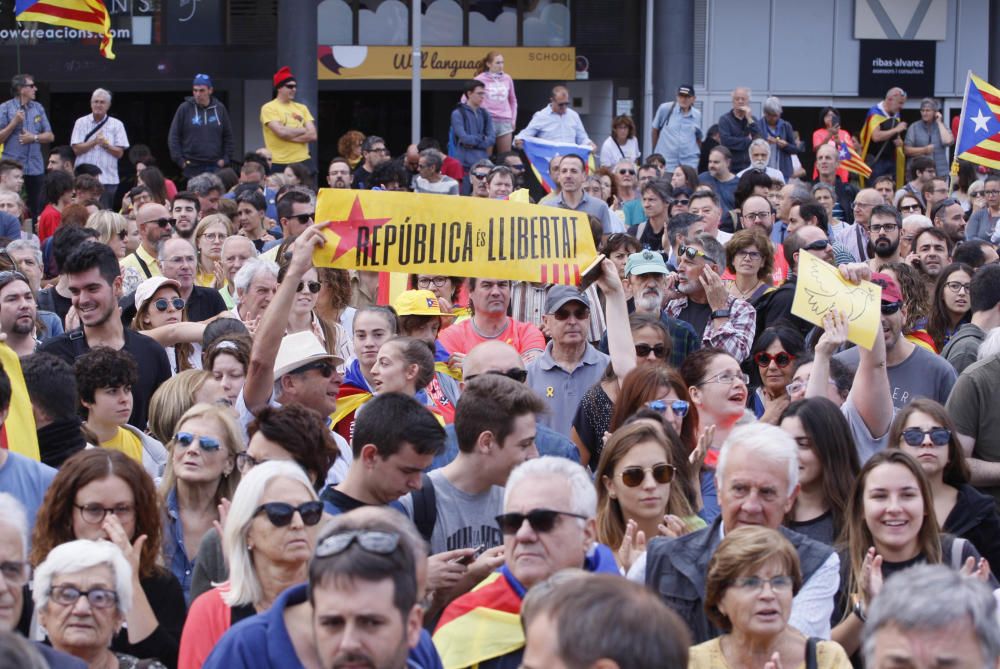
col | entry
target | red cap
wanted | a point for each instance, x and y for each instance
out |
(283, 76)
(890, 291)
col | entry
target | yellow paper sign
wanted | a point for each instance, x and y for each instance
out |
(456, 236)
(820, 287)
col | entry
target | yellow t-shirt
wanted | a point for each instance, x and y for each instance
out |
(127, 443)
(131, 261)
(205, 279)
(290, 115)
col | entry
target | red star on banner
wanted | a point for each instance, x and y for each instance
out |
(347, 230)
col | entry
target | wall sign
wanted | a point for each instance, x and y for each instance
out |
(908, 64)
(442, 62)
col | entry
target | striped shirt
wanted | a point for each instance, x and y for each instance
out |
(99, 156)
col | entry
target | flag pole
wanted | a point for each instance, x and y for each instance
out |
(961, 123)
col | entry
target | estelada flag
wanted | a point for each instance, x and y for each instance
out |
(481, 625)
(876, 117)
(17, 434)
(978, 139)
(89, 15)
(540, 153)
(851, 161)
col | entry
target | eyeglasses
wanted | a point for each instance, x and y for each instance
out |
(883, 227)
(958, 286)
(757, 215)
(912, 207)
(95, 513)
(313, 286)
(163, 303)
(914, 436)
(213, 236)
(748, 255)
(781, 359)
(690, 252)
(303, 218)
(679, 407)
(756, 583)
(626, 171)
(889, 308)
(380, 543)
(817, 245)
(428, 281)
(516, 373)
(662, 474)
(245, 462)
(162, 222)
(541, 520)
(324, 367)
(281, 513)
(580, 314)
(15, 573)
(29, 86)
(207, 444)
(643, 350)
(479, 175)
(727, 378)
(99, 598)
(378, 149)
(991, 192)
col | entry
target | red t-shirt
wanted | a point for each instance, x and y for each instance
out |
(48, 222)
(462, 338)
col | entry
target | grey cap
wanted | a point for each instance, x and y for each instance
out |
(484, 163)
(560, 295)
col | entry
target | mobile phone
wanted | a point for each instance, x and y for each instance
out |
(469, 559)
(591, 273)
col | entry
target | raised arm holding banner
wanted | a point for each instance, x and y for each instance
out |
(419, 233)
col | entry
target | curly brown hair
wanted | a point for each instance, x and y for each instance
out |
(746, 238)
(54, 524)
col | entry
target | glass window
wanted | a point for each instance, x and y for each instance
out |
(546, 23)
(441, 23)
(493, 22)
(335, 23)
(385, 22)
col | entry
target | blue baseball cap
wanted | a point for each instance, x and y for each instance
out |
(202, 80)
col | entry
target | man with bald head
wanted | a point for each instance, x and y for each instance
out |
(155, 223)
(855, 237)
(888, 135)
(737, 128)
(496, 357)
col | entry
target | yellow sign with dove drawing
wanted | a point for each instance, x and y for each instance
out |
(820, 287)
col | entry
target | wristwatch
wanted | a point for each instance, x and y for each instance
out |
(859, 611)
(720, 313)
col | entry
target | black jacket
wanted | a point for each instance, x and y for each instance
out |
(975, 518)
(200, 134)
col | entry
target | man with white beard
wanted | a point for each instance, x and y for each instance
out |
(646, 274)
(760, 155)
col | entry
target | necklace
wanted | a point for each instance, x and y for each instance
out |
(747, 293)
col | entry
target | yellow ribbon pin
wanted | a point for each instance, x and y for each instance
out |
(550, 392)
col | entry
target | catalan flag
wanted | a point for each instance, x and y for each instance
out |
(876, 117)
(540, 153)
(978, 138)
(851, 161)
(89, 15)
(17, 432)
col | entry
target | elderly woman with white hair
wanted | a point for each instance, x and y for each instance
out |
(256, 283)
(780, 135)
(269, 536)
(82, 593)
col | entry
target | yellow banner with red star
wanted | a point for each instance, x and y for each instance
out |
(421, 233)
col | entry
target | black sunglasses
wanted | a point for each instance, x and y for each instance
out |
(690, 252)
(782, 359)
(817, 245)
(163, 222)
(517, 373)
(889, 308)
(634, 476)
(626, 171)
(541, 520)
(914, 436)
(324, 367)
(281, 513)
(123, 235)
(163, 303)
(303, 218)
(581, 314)
(643, 350)
(314, 286)
(480, 175)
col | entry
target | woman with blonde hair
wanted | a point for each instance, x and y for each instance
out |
(500, 101)
(201, 472)
(112, 229)
(209, 234)
(178, 394)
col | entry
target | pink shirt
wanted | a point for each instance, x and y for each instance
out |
(500, 100)
(462, 337)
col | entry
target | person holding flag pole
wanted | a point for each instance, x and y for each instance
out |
(882, 137)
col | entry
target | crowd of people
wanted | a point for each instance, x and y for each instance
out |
(250, 461)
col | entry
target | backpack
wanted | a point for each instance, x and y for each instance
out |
(425, 508)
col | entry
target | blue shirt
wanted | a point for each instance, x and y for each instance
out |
(27, 480)
(680, 133)
(35, 123)
(173, 546)
(562, 390)
(546, 124)
(262, 641)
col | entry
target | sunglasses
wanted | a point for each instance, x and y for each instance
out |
(913, 207)
(581, 314)
(541, 520)
(281, 513)
(682, 201)
(291, 86)
(626, 171)
(643, 350)
(517, 168)
(889, 308)
(380, 543)
(163, 222)
(634, 476)
(480, 175)
(303, 218)
(914, 436)
(123, 235)
(207, 444)
(679, 407)
(516, 373)
(782, 359)
(313, 286)
(323, 367)
(163, 303)
(690, 252)
(817, 245)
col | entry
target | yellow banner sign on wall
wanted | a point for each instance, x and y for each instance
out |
(442, 62)
(455, 236)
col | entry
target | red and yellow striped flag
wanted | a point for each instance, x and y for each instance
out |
(89, 15)
(17, 434)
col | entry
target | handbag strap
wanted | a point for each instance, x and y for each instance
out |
(96, 128)
(811, 661)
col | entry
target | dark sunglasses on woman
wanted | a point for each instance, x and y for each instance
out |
(281, 513)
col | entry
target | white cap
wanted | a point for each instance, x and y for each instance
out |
(148, 288)
(298, 350)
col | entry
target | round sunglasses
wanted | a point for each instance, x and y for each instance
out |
(634, 476)
(281, 513)
(314, 286)
(782, 359)
(679, 407)
(163, 303)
